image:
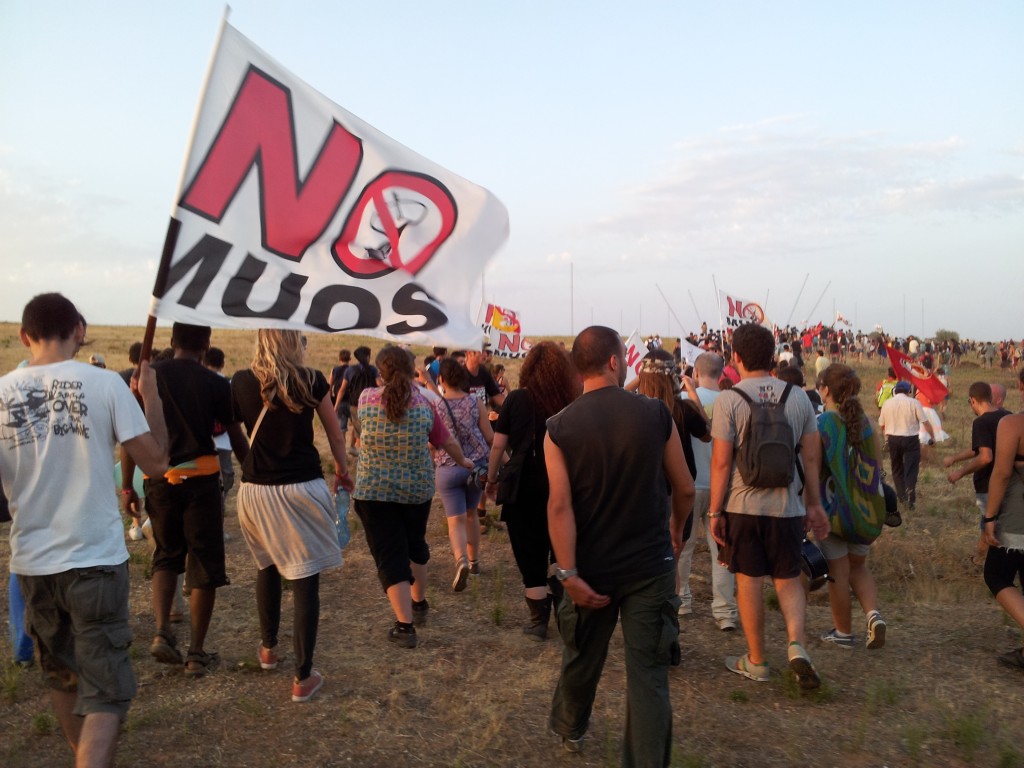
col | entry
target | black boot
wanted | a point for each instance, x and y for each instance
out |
(540, 612)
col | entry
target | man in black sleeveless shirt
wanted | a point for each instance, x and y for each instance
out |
(620, 496)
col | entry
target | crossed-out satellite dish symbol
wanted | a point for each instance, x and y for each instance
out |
(753, 313)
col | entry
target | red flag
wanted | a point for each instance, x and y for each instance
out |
(908, 369)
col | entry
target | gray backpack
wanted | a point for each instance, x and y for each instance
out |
(766, 457)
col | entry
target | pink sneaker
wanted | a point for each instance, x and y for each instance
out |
(268, 657)
(304, 691)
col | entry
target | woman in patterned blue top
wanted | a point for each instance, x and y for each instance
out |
(395, 485)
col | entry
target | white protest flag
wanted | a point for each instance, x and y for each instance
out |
(504, 331)
(294, 213)
(690, 352)
(741, 312)
(635, 351)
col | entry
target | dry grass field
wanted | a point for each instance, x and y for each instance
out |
(476, 692)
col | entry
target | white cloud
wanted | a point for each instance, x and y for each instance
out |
(777, 187)
(54, 242)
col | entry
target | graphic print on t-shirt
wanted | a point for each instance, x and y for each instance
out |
(29, 411)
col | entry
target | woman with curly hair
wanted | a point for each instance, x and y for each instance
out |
(851, 492)
(395, 485)
(284, 506)
(547, 383)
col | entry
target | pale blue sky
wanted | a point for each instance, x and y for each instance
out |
(876, 146)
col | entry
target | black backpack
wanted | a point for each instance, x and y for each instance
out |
(766, 458)
(361, 379)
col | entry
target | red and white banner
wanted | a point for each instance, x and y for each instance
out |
(294, 213)
(908, 369)
(504, 331)
(737, 311)
(635, 351)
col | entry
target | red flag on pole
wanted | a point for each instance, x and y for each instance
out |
(908, 369)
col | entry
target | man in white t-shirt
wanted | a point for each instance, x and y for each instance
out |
(60, 422)
(708, 370)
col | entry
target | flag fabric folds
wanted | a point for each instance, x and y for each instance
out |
(741, 312)
(690, 352)
(294, 213)
(908, 369)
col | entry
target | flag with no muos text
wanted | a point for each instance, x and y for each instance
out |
(294, 213)
(737, 311)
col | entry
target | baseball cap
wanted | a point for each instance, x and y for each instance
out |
(902, 386)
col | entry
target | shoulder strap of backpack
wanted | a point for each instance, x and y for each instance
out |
(742, 394)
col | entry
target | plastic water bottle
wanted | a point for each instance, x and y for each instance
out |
(342, 501)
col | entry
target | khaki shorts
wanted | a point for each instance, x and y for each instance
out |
(79, 621)
(835, 548)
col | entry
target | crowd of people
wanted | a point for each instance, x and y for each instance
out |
(604, 493)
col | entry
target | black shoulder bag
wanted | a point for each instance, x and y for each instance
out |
(511, 472)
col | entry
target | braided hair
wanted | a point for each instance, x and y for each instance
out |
(843, 387)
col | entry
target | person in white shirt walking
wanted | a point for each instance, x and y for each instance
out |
(901, 420)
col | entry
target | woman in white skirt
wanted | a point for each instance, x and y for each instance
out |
(284, 505)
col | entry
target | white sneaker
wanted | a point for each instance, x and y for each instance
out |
(135, 533)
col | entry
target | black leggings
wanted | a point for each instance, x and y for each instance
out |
(527, 526)
(1001, 568)
(306, 619)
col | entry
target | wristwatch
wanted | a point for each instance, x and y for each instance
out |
(565, 573)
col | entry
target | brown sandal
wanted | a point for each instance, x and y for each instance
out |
(164, 648)
(198, 664)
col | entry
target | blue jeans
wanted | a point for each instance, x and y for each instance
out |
(21, 643)
(650, 630)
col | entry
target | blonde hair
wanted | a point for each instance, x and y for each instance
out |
(278, 368)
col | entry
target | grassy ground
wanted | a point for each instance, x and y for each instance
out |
(476, 692)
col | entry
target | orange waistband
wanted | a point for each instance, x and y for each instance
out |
(201, 466)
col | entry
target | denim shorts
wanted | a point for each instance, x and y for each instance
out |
(343, 411)
(457, 495)
(79, 620)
